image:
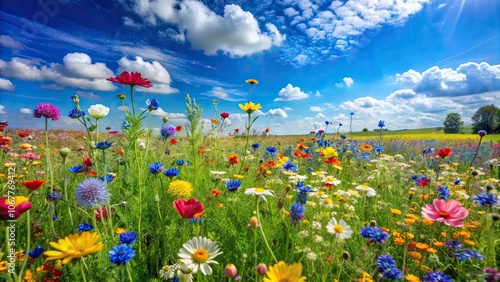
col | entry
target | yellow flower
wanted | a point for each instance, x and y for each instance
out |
(412, 278)
(283, 272)
(250, 107)
(238, 176)
(366, 278)
(74, 246)
(438, 244)
(329, 152)
(25, 146)
(28, 275)
(252, 81)
(120, 231)
(180, 189)
(415, 255)
(395, 211)
(3, 266)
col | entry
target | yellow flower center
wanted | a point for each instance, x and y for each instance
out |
(200, 256)
(443, 214)
(327, 201)
(338, 229)
(285, 280)
(259, 190)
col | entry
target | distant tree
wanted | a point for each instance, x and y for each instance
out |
(365, 129)
(486, 118)
(453, 123)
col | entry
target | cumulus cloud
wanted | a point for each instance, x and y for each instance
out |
(6, 84)
(316, 109)
(25, 111)
(223, 94)
(2, 112)
(291, 93)
(236, 32)
(130, 22)
(468, 78)
(8, 42)
(88, 95)
(77, 70)
(159, 113)
(348, 81)
(276, 113)
(317, 94)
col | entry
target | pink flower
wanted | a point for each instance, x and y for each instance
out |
(132, 79)
(189, 209)
(31, 156)
(450, 212)
(102, 213)
(47, 111)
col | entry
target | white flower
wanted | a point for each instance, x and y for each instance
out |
(370, 192)
(303, 234)
(326, 202)
(340, 229)
(98, 111)
(215, 172)
(198, 253)
(168, 271)
(331, 180)
(317, 239)
(316, 225)
(311, 256)
(259, 192)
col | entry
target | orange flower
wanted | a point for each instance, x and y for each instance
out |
(33, 184)
(366, 147)
(399, 241)
(438, 244)
(415, 255)
(215, 192)
(173, 141)
(422, 246)
(233, 159)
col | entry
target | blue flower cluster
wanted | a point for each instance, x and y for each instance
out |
(155, 168)
(468, 255)
(387, 266)
(167, 131)
(121, 254)
(303, 190)
(374, 233)
(91, 193)
(128, 237)
(289, 166)
(85, 227)
(233, 185)
(171, 172)
(484, 199)
(38, 251)
(444, 192)
(436, 276)
(297, 212)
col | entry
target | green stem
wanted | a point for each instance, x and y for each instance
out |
(28, 245)
(139, 180)
(110, 220)
(82, 271)
(263, 234)
(65, 187)
(246, 143)
(132, 98)
(477, 151)
(47, 152)
(127, 268)
(149, 135)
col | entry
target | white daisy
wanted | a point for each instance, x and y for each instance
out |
(168, 271)
(259, 192)
(370, 192)
(198, 253)
(340, 229)
(331, 180)
(326, 202)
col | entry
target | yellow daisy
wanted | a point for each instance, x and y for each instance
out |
(283, 272)
(250, 107)
(74, 246)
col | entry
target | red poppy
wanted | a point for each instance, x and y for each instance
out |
(445, 152)
(33, 184)
(132, 79)
(333, 161)
(224, 115)
(173, 141)
(215, 192)
(178, 128)
(233, 159)
(87, 162)
(267, 129)
(3, 126)
(236, 130)
(321, 131)
(188, 209)
(23, 134)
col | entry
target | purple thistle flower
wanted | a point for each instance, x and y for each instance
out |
(47, 111)
(91, 193)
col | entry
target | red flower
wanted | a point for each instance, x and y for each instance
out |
(224, 115)
(443, 153)
(233, 159)
(236, 130)
(189, 209)
(33, 184)
(20, 203)
(321, 131)
(132, 79)
(87, 162)
(23, 134)
(5, 141)
(215, 192)
(3, 126)
(178, 128)
(173, 141)
(114, 132)
(333, 161)
(102, 213)
(267, 129)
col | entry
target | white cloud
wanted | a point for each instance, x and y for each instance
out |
(348, 81)
(291, 93)
(287, 109)
(159, 113)
(130, 22)
(2, 112)
(77, 71)
(6, 84)
(339, 85)
(317, 94)
(88, 95)
(320, 116)
(301, 59)
(316, 109)
(236, 32)
(276, 113)
(8, 42)
(25, 111)
(222, 94)
(468, 78)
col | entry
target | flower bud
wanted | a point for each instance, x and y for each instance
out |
(346, 255)
(495, 217)
(254, 222)
(165, 119)
(373, 223)
(230, 271)
(482, 133)
(121, 96)
(64, 152)
(261, 269)
(75, 99)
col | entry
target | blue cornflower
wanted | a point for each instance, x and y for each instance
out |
(125, 124)
(444, 192)
(76, 169)
(393, 273)
(255, 145)
(36, 252)
(271, 149)
(379, 149)
(55, 218)
(179, 162)
(171, 172)
(103, 145)
(414, 177)
(381, 123)
(167, 131)
(54, 196)
(289, 166)
(385, 261)
(76, 113)
(301, 198)
(196, 220)
(457, 181)
(327, 122)
(233, 185)
(484, 199)
(128, 237)
(474, 254)
(343, 136)
(436, 276)
(428, 150)
(91, 193)
(85, 227)
(152, 104)
(297, 211)
(340, 124)
(121, 254)
(453, 244)
(109, 178)
(374, 233)
(352, 113)
(155, 168)
(303, 188)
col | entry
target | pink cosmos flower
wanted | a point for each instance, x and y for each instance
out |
(31, 156)
(451, 212)
(47, 111)
(132, 79)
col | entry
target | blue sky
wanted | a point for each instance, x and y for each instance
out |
(409, 63)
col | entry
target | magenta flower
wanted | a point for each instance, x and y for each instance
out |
(450, 212)
(30, 156)
(47, 111)
(132, 79)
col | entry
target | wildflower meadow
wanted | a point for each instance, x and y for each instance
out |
(193, 204)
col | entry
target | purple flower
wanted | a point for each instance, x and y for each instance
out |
(47, 111)
(167, 131)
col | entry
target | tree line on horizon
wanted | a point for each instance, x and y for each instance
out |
(485, 118)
